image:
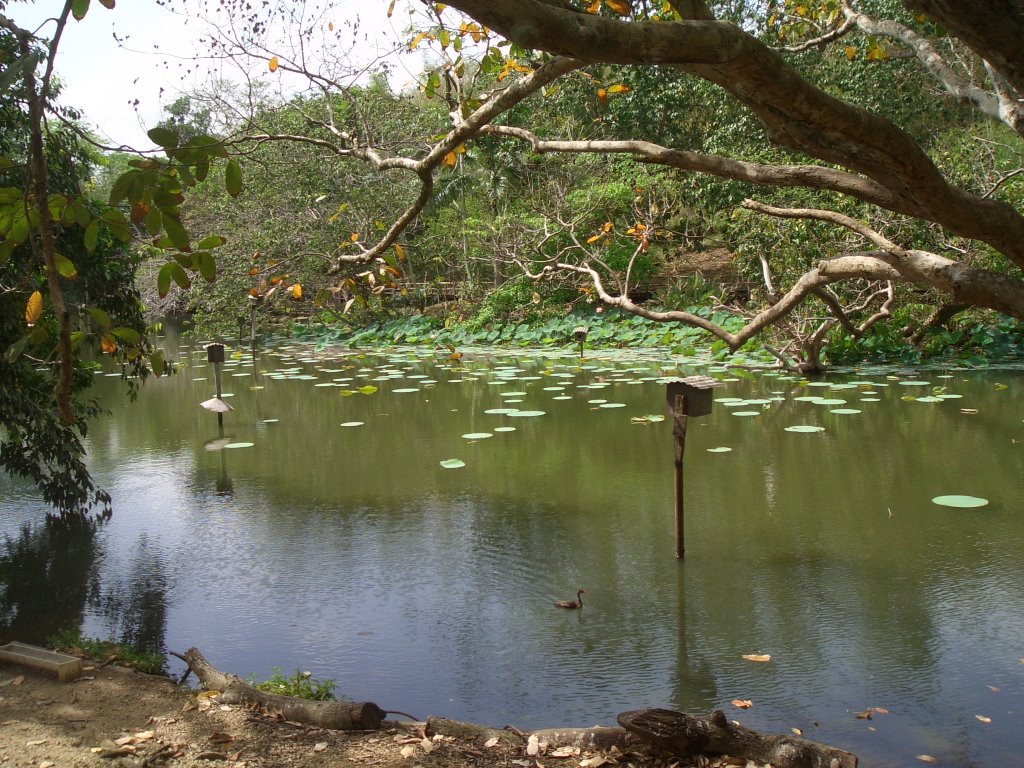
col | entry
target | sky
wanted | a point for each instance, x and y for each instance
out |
(104, 79)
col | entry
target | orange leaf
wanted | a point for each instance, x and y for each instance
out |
(621, 7)
(593, 239)
(273, 64)
(450, 159)
(108, 345)
(851, 52)
(354, 237)
(34, 308)
(742, 703)
(276, 280)
(602, 96)
(400, 251)
(594, 7)
(254, 271)
(139, 211)
(296, 292)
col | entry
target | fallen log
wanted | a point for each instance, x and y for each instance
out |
(336, 715)
(442, 726)
(684, 735)
(596, 738)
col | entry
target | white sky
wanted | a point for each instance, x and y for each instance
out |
(103, 79)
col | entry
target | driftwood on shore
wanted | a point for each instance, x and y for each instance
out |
(597, 737)
(337, 715)
(684, 735)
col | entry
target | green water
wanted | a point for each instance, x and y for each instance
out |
(350, 552)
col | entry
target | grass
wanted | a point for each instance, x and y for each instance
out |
(108, 651)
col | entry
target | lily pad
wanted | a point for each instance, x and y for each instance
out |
(477, 435)
(504, 429)
(612, 405)
(845, 411)
(746, 413)
(804, 428)
(499, 411)
(239, 445)
(453, 463)
(526, 414)
(719, 449)
(960, 502)
(406, 389)
(352, 423)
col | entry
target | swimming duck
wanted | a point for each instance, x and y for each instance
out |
(572, 604)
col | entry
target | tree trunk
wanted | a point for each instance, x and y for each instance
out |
(337, 715)
(683, 735)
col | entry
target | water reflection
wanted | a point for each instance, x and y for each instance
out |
(48, 572)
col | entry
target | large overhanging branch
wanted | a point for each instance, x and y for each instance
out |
(997, 104)
(425, 167)
(796, 113)
(847, 267)
(813, 176)
(978, 287)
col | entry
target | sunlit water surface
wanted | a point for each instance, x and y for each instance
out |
(350, 552)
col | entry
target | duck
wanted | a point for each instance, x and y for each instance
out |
(572, 604)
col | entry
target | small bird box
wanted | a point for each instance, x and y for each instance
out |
(215, 353)
(695, 394)
(579, 333)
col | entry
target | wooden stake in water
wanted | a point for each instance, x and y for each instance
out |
(679, 435)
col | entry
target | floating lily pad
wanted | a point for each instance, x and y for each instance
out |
(961, 502)
(526, 414)
(845, 411)
(914, 383)
(612, 405)
(804, 428)
(239, 445)
(271, 421)
(746, 413)
(504, 429)
(477, 435)
(597, 402)
(406, 389)
(499, 411)
(352, 423)
(830, 401)
(513, 394)
(453, 463)
(562, 397)
(719, 449)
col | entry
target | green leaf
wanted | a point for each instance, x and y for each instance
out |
(14, 351)
(92, 235)
(65, 267)
(154, 221)
(179, 275)
(202, 169)
(233, 178)
(205, 263)
(122, 185)
(101, 318)
(211, 241)
(128, 335)
(176, 231)
(165, 137)
(79, 8)
(163, 280)
(156, 362)
(5, 251)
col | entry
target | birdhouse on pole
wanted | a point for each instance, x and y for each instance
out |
(215, 355)
(687, 397)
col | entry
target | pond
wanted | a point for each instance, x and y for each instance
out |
(321, 532)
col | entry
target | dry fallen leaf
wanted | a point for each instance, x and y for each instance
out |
(18, 680)
(797, 731)
(564, 752)
(35, 743)
(742, 703)
(757, 657)
(427, 745)
(984, 719)
(927, 759)
(594, 762)
(491, 742)
(532, 745)
(408, 751)
(993, 688)
(865, 715)
(221, 738)
(320, 746)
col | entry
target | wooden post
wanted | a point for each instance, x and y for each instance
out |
(252, 329)
(679, 435)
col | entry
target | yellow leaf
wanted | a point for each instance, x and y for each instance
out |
(594, 7)
(296, 292)
(417, 40)
(621, 7)
(851, 52)
(33, 308)
(757, 657)
(400, 251)
(354, 237)
(593, 239)
(618, 88)
(273, 64)
(391, 8)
